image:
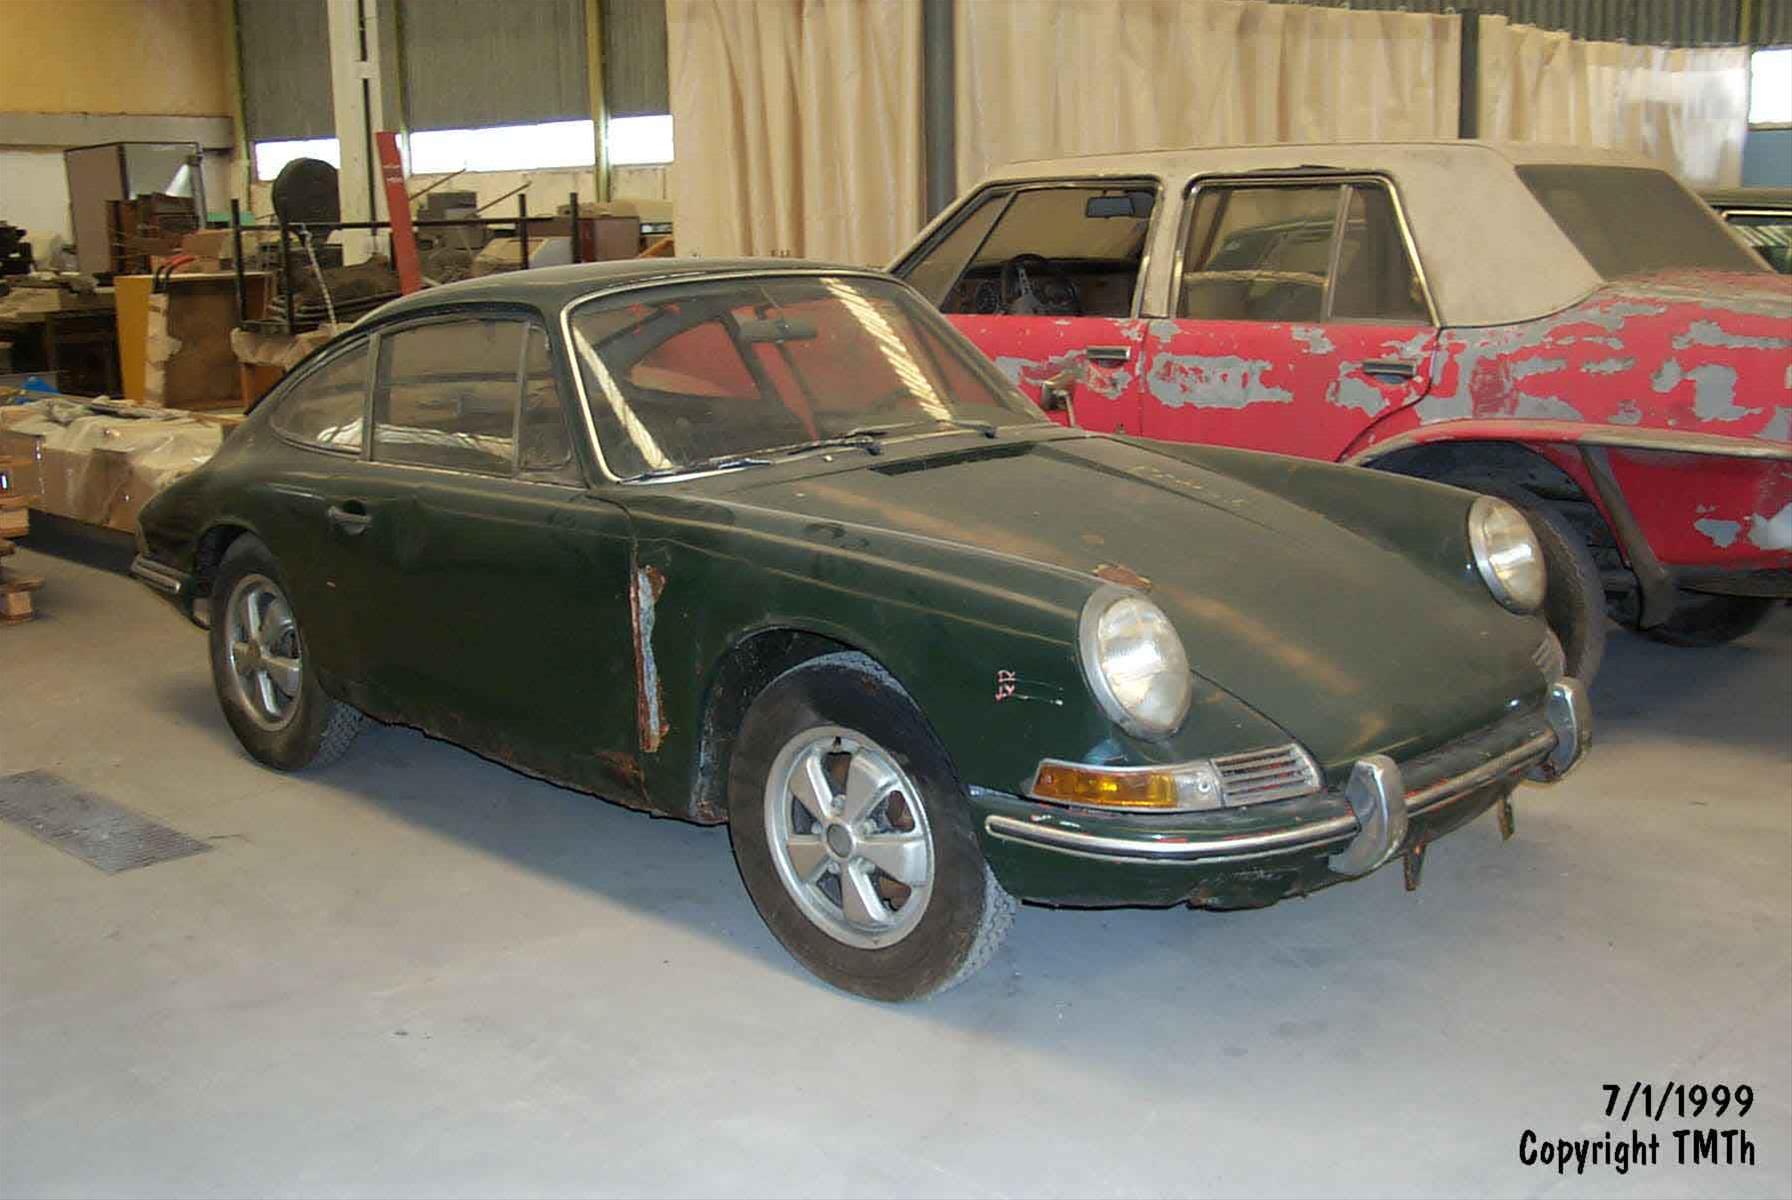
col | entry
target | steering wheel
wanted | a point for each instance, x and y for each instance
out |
(1022, 296)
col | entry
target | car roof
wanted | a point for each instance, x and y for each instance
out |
(1516, 265)
(1201, 160)
(550, 289)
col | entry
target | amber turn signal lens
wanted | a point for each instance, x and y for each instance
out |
(1105, 789)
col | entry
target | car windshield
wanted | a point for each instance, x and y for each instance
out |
(739, 371)
(1634, 220)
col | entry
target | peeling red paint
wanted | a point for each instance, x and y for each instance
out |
(1697, 362)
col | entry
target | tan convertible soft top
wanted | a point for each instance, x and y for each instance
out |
(1491, 254)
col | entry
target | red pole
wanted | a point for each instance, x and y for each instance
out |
(398, 211)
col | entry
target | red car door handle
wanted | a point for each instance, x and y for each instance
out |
(1108, 356)
(349, 522)
(1393, 368)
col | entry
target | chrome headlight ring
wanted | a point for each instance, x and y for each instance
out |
(1134, 662)
(1507, 554)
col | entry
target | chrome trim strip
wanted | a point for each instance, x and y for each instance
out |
(1572, 432)
(1434, 794)
(158, 576)
(1259, 845)
(1236, 846)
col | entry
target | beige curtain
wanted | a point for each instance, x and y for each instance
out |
(1686, 109)
(798, 126)
(1046, 78)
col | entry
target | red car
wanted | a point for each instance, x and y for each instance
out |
(1570, 330)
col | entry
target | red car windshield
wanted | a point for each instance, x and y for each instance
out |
(687, 375)
(1634, 220)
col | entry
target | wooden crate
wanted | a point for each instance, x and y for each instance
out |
(15, 591)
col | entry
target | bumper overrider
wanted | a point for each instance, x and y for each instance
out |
(1255, 854)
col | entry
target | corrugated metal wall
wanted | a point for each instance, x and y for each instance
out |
(285, 47)
(635, 58)
(469, 64)
(1644, 22)
(1773, 23)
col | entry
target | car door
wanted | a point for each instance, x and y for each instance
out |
(1299, 317)
(300, 513)
(503, 621)
(1043, 278)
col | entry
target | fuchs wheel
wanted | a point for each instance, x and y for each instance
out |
(1574, 599)
(1702, 619)
(853, 836)
(271, 700)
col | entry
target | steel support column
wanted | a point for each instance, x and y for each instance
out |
(939, 105)
(1468, 112)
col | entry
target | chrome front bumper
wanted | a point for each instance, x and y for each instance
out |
(1382, 797)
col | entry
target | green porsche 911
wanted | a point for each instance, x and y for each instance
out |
(769, 544)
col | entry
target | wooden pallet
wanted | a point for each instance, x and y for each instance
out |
(15, 591)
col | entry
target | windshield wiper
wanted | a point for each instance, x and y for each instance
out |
(983, 427)
(724, 462)
(855, 439)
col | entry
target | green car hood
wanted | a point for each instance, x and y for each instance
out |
(1351, 644)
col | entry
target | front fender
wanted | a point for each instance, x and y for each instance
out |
(985, 644)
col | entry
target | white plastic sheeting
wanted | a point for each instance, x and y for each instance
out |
(1049, 78)
(799, 121)
(87, 465)
(1686, 109)
(799, 127)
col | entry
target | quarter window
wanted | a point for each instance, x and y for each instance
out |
(447, 394)
(1280, 253)
(327, 408)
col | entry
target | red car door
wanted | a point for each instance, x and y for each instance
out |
(1043, 277)
(1300, 319)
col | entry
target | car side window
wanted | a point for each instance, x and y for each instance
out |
(1274, 253)
(1068, 250)
(1258, 253)
(446, 395)
(934, 272)
(544, 446)
(327, 408)
(1376, 280)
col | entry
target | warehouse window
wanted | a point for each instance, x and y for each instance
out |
(549, 145)
(1770, 87)
(503, 148)
(640, 141)
(271, 156)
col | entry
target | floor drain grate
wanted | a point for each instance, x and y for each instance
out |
(107, 835)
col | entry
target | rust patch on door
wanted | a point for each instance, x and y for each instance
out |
(644, 588)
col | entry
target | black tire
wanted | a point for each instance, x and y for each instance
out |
(318, 730)
(1702, 619)
(1574, 601)
(966, 914)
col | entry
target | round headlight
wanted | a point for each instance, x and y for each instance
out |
(1134, 662)
(1506, 554)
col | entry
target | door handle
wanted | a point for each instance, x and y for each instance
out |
(1393, 368)
(348, 520)
(1108, 356)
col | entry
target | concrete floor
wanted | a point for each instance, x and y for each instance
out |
(417, 973)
